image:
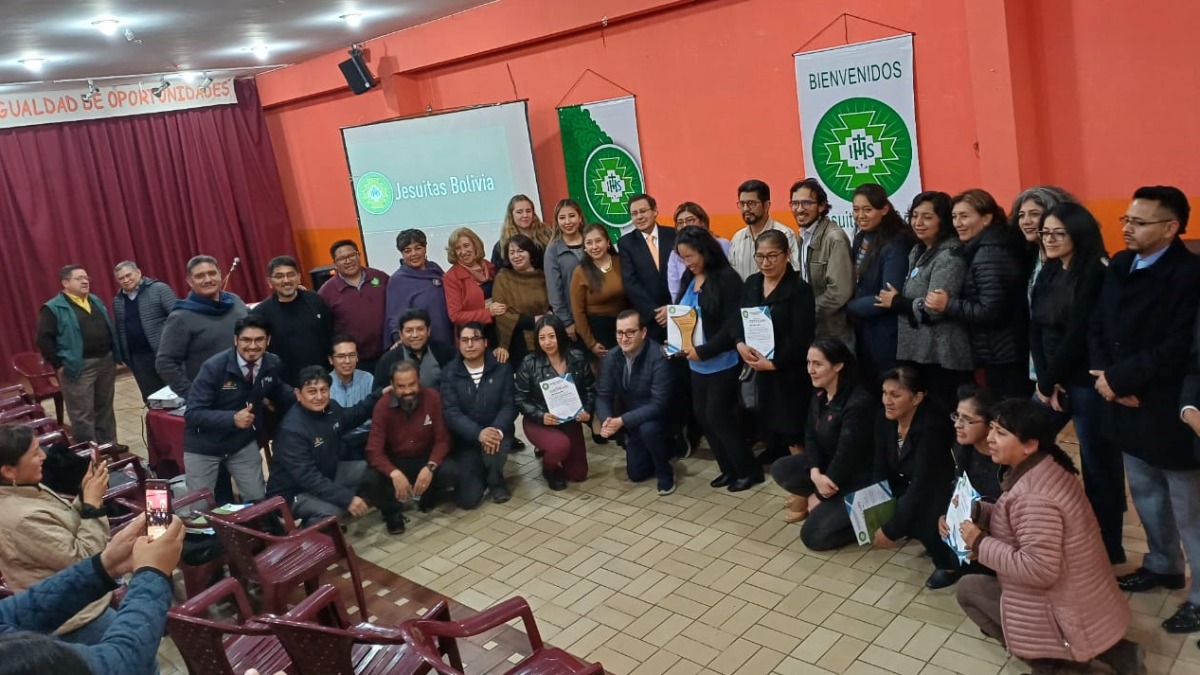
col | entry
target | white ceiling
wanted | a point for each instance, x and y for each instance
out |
(170, 36)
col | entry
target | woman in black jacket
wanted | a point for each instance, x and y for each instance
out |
(993, 304)
(561, 440)
(912, 453)
(1064, 296)
(880, 251)
(715, 289)
(780, 378)
(838, 446)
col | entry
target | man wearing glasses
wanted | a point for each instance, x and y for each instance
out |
(754, 203)
(225, 407)
(357, 299)
(1140, 349)
(347, 387)
(825, 261)
(300, 320)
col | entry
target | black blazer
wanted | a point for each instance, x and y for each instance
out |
(468, 408)
(784, 393)
(649, 391)
(646, 285)
(921, 473)
(720, 305)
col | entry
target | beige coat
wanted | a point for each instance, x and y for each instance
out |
(41, 534)
(1058, 596)
(831, 275)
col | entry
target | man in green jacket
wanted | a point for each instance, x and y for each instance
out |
(76, 337)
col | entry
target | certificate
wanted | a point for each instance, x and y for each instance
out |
(759, 330)
(683, 328)
(961, 505)
(562, 398)
(869, 509)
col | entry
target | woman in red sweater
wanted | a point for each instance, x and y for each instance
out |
(468, 283)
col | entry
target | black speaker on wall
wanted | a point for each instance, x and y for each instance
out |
(357, 75)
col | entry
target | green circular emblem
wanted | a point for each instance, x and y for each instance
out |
(862, 140)
(374, 193)
(611, 175)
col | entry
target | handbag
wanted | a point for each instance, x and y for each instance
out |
(748, 383)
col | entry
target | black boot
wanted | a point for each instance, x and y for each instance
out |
(555, 479)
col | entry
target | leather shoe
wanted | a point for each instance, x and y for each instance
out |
(500, 494)
(555, 479)
(395, 523)
(720, 481)
(744, 484)
(943, 578)
(1185, 620)
(1142, 579)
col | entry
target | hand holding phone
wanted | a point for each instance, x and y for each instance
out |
(158, 507)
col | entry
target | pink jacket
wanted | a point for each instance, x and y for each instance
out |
(1058, 596)
(464, 297)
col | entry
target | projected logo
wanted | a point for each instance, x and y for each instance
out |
(611, 175)
(862, 140)
(374, 193)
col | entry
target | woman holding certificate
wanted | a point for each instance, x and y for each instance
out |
(712, 288)
(521, 288)
(778, 323)
(556, 394)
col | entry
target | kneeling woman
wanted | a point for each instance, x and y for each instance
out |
(561, 440)
(1054, 597)
(912, 453)
(838, 443)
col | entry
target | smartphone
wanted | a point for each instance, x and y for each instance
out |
(158, 507)
(95, 454)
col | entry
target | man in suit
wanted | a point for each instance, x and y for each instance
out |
(1141, 338)
(644, 256)
(140, 311)
(632, 394)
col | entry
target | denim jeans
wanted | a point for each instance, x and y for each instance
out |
(1168, 503)
(1103, 472)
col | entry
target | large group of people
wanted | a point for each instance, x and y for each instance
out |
(949, 339)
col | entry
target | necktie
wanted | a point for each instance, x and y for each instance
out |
(653, 246)
(250, 372)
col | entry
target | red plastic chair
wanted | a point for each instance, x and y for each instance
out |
(211, 647)
(542, 660)
(320, 640)
(280, 563)
(9, 402)
(21, 413)
(42, 379)
(10, 390)
(56, 436)
(42, 425)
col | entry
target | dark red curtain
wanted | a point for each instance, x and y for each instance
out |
(156, 189)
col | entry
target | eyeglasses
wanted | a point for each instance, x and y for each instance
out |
(345, 357)
(252, 341)
(286, 276)
(1133, 222)
(686, 221)
(628, 333)
(1053, 235)
(470, 340)
(767, 257)
(749, 204)
(346, 258)
(802, 204)
(963, 420)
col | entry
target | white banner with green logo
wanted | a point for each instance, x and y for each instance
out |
(858, 121)
(603, 157)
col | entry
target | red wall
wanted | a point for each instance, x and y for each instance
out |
(1009, 93)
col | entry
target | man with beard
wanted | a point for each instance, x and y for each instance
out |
(754, 203)
(825, 261)
(407, 444)
(199, 327)
(301, 323)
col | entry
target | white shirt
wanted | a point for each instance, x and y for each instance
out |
(741, 248)
(806, 237)
(245, 366)
(657, 242)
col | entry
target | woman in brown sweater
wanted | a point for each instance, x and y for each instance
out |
(521, 288)
(597, 294)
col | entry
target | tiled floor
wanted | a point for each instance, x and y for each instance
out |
(702, 581)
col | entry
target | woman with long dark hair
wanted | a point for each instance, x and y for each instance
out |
(521, 288)
(938, 345)
(597, 293)
(1066, 293)
(715, 290)
(880, 251)
(838, 448)
(1054, 598)
(563, 255)
(688, 214)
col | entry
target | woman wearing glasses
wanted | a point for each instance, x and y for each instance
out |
(938, 346)
(1066, 293)
(880, 252)
(688, 214)
(780, 378)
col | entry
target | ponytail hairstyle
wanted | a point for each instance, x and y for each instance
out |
(1028, 421)
(835, 352)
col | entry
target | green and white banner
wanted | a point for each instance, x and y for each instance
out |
(603, 157)
(858, 121)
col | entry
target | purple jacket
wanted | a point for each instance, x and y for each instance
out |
(410, 288)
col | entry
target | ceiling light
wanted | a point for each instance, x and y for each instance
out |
(34, 64)
(92, 92)
(261, 51)
(162, 87)
(204, 83)
(106, 26)
(353, 20)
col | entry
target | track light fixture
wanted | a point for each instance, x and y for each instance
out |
(162, 87)
(204, 83)
(92, 92)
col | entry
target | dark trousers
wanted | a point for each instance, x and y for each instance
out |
(924, 528)
(648, 453)
(562, 447)
(382, 495)
(144, 373)
(1006, 380)
(472, 472)
(828, 525)
(715, 400)
(1103, 469)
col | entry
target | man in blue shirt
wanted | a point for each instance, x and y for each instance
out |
(350, 385)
